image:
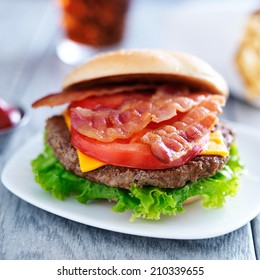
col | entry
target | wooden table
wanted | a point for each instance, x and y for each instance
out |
(29, 68)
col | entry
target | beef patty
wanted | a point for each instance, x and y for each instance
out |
(58, 137)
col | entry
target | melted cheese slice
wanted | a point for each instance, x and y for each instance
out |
(216, 146)
(86, 163)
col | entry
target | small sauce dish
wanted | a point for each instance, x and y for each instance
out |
(12, 117)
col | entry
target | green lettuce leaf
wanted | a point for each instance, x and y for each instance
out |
(150, 202)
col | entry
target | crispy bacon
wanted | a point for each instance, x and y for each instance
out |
(59, 98)
(137, 111)
(171, 142)
(108, 125)
(167, 101)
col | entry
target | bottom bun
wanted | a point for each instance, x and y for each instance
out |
(192, 199)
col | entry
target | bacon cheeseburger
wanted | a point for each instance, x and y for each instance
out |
(141, 129)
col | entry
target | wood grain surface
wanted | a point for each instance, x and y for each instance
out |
(29, 68)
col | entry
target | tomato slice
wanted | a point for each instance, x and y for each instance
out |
(133, 155)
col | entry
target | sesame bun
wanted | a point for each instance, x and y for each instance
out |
(129, 66)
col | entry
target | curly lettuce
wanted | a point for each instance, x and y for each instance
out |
(149, 202)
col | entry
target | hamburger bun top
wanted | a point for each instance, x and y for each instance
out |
(146, 66)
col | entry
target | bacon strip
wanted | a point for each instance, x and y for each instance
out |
(59, 98)
(136, 112)
(167, 101)
(171, 142)
(108, 125)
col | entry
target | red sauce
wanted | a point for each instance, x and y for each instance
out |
(9, 115)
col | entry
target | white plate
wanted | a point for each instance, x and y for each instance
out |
(196, 223)
(211, 30)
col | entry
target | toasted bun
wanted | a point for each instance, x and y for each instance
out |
(192, 199)
(129, 66)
